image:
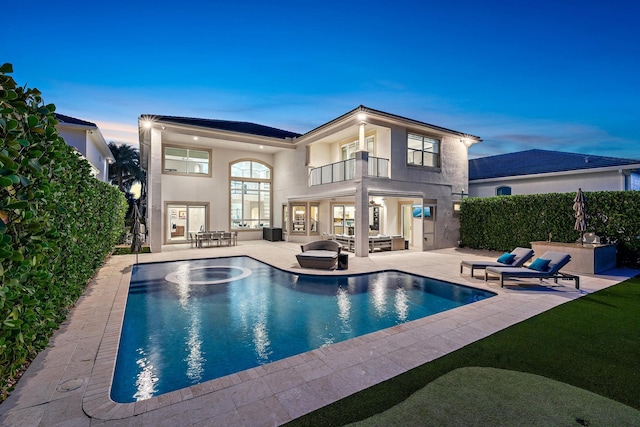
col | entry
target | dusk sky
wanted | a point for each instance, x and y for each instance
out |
(559, 75)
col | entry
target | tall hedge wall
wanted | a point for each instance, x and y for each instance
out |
(504, 222)
(57, 224)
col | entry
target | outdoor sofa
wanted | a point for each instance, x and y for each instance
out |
(319, 254)
(545, 267)
(380, 241)
(516, 258)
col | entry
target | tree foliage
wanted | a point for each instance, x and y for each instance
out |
(125, 170)
(57, 224)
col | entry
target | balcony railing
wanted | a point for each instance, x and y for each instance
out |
(346, 171)
(378, 167)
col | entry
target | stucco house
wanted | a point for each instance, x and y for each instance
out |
(87, 139)
(365, 173)
(543, 171)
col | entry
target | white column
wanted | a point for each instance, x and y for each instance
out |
(361, 144)
(362, 205)
(154, 191)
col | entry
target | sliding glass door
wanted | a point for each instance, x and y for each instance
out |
(184, 218)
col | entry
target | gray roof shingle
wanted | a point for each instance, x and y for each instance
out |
(533, 162)
(232, 126)
(73, 121)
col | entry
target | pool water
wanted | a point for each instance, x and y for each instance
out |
(188, 322)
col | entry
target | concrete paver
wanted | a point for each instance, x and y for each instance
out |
(69, 382)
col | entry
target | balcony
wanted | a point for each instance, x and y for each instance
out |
(346, 171)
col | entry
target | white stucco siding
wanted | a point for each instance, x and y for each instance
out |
(212, 190)
(589, 181)
(290, 178)
(76, 138)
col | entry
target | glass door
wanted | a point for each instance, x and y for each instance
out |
(183, 219)
(338, 219)
(407, 223)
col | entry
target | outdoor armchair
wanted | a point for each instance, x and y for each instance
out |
(319, 254)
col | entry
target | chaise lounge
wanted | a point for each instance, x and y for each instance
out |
(319, 254)
(545, 267)
(516, 258)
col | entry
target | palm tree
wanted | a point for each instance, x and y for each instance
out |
(126, 170)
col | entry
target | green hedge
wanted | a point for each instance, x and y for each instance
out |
(57, 225)
(504, 222)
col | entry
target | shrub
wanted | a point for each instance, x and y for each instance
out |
(57, 224)
(504, 222)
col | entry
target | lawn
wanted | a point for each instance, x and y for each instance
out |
(591, 344)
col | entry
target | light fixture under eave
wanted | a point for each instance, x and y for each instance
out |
(195, 138)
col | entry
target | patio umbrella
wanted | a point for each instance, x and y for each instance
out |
(136, 237)
(579, 211)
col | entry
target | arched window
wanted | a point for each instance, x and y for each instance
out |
(503, 191)
(250, 195)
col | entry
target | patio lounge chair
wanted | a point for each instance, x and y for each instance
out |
(319, 254)
(545, 267)
(520, 256)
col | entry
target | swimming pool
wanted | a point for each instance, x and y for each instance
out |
(192, 321)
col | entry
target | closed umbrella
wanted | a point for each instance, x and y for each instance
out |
(579, 211)
(136, 237)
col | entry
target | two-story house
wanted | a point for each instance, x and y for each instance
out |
(364, 173)
(87, 139)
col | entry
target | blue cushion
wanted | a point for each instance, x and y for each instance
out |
(506, 258)
(540, 264)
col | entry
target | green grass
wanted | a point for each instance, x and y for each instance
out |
(488, 397)
(592, 343)
(126, 250)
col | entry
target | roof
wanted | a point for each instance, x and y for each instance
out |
(228, 125)
(533, 162)
(73, 121)
(364, 109)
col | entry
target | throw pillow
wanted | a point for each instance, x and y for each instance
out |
(506, 258)
(540, 264)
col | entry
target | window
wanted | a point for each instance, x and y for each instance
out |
(299, 224)
(250, 195)
(314, 216)
(503, 191)
(186, 161)
(349, 150)
(423, 151)
(285, 218)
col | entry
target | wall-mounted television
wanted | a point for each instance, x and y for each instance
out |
(421, 211)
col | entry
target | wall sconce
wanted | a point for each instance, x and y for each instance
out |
(462, 194)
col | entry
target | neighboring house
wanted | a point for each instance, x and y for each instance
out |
(542, 171)
(364, 173)
(87, 139)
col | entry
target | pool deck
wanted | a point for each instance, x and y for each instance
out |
(68, 383)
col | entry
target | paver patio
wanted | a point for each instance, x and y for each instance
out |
(68, 383)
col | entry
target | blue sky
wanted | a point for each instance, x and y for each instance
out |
(559, 75)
